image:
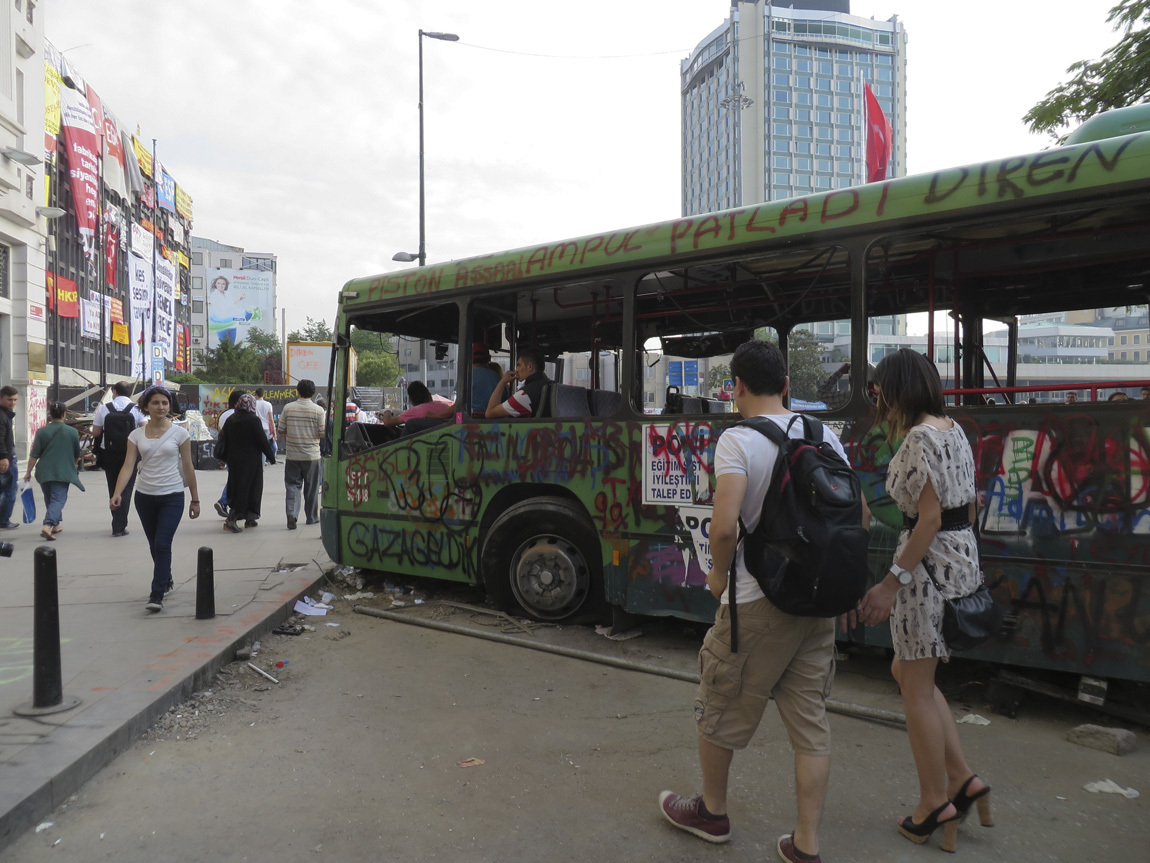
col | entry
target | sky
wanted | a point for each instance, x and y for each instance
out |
(294, 125)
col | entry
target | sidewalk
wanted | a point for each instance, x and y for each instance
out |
(126, 665)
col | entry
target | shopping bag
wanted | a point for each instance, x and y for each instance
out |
(29, 501)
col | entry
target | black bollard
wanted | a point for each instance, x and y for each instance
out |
(47, 689)
(205, 586)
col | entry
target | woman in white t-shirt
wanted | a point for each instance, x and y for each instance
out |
(165, 453)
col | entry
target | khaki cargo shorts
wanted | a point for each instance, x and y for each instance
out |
(782, 656)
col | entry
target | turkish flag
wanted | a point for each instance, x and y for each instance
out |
(878, 139)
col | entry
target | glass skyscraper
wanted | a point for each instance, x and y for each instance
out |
(773, 102)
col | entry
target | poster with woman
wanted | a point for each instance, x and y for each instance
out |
(237, 301)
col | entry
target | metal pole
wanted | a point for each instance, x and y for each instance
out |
(205, 585)
(47, 689)
(422, 236)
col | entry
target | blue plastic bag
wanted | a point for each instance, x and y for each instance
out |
(28, 499)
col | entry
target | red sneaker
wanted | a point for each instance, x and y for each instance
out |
(788, 853)
(683, 812)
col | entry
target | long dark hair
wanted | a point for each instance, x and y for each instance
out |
(909, 386)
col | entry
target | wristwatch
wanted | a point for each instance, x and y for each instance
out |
(903, 575)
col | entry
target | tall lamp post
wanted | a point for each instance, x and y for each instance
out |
(422, 255)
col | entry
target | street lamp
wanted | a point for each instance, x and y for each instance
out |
(443, 37)
(405, 257)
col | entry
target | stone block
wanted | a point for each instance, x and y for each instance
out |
(1116, 741)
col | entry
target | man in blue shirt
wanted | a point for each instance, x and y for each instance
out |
(483, 379)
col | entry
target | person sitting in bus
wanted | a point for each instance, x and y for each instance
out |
(828, 391)
(524, 402)
(1072, 397)
(484, 381)
(1118, 397)
(1146, 394)
(422, 404)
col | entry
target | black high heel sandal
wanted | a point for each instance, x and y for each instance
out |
(963, 801)
(919, 833)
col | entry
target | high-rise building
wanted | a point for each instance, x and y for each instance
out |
(773, 102)
(233, 291)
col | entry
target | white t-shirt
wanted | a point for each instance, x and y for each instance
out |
(224, 418)
(159, 471)
(119, 403)
(264, 411)
(746, 451)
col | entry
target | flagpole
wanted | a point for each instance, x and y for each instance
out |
(155, 219)
(101, 259)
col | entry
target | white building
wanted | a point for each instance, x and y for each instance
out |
(773, 105)
(212, 255)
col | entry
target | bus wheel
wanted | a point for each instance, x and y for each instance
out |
(541, 555)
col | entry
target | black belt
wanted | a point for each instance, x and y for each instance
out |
(957, 518)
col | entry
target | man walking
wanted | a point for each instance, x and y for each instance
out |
(9, 472)
(265, 412)
(112, 447)
(301, 429)
(782, 656)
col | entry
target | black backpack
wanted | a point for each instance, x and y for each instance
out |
(809, 550)
(118, 424)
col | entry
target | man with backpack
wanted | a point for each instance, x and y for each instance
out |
(755, 650)
(111, 425)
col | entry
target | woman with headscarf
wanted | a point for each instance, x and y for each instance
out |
(55, 450)
(244, 447)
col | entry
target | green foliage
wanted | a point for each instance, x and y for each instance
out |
(184, 378)
(804, 364)
(315, 331)
(377, 369)
(262, 341)
(369, 341)
(1119, 79)
(717, 375)
(233, 364)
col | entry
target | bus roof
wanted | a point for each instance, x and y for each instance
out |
(998, 184)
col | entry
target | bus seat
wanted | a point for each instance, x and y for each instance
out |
(569, 401)
(692, 405)
(605, 403)
(715, 406)
(421, 424)
(544, 408)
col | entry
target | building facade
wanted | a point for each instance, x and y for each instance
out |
(253, 306)
(772, 102)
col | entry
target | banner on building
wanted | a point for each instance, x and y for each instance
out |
(139, 311)
(879, 139)
(143, 156)
(165, 309)
(166, 190)
(116, 309)
(183, 203)
(114, 177)
(142, 240)
(182, 348)
(131, 164)
(120, 333)
(90, 318)
(111, 248)
(177, 231)
(83, 167)
(62, 295)
(239, 300)
(51, 111)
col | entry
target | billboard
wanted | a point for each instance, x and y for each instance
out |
(237, 301)
(308, 360)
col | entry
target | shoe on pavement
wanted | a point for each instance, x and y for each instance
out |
(121, 533)
(232, 527)
(170, 587)
(221, 510)
(788, 853)
(155, 602)
(291, 522)
(9, 526)
(313, 522)
(683, 812)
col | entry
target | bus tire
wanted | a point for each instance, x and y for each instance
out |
(542, 556)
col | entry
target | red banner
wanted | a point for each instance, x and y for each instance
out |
(182, 348)
(64, 291)
(83, 148)
(878, 139)
(117, 310)
(111, 250)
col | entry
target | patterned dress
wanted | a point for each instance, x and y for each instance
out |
(944, 458)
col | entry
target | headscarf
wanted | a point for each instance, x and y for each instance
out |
(247, 403)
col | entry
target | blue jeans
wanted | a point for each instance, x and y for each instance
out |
(55, 496)
(8, 495)
(160, 516)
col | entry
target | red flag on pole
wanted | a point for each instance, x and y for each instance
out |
(878, 139)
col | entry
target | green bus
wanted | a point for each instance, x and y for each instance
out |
(1022, 277)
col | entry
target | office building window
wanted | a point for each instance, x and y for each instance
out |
(225, 263)
(197, 331)
(198, 258)
(197, 283)
(197, 307)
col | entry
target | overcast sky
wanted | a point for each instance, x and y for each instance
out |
(293, 125)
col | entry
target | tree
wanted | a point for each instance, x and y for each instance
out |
(262, 341)
(315, 331)
(370, 341)
(1120, 78)
(804, 364)
(377, 369)
(233, 364)
(717, 376)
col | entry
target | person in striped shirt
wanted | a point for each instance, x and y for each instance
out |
(524, 402)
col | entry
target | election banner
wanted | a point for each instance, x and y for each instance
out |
(139, 311)
(165, 309)
(239, 300)
(166, 190)
(83, 168)
(63, 296)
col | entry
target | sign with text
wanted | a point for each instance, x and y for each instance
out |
(308, 361)
(239, 300)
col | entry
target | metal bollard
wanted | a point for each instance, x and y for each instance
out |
(205, 586)
(47, 689)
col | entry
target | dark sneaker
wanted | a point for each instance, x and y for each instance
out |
(221, 509)
(232, 527)
(683, 812)
(291, 522)
(155, 602)
(121, 533)
(790, 854)
(251, 522)
(170, 587)
(9, 526)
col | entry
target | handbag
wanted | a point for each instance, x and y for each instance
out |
(968, 621)
(28, 502)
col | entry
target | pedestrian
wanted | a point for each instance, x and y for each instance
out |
(266, 413)
(120, 415)
(245, 445)
(788, 658)
(55, 452)
(164, 450)
(301, 428)
(931, 480)
(221, 505)
(9, 470)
